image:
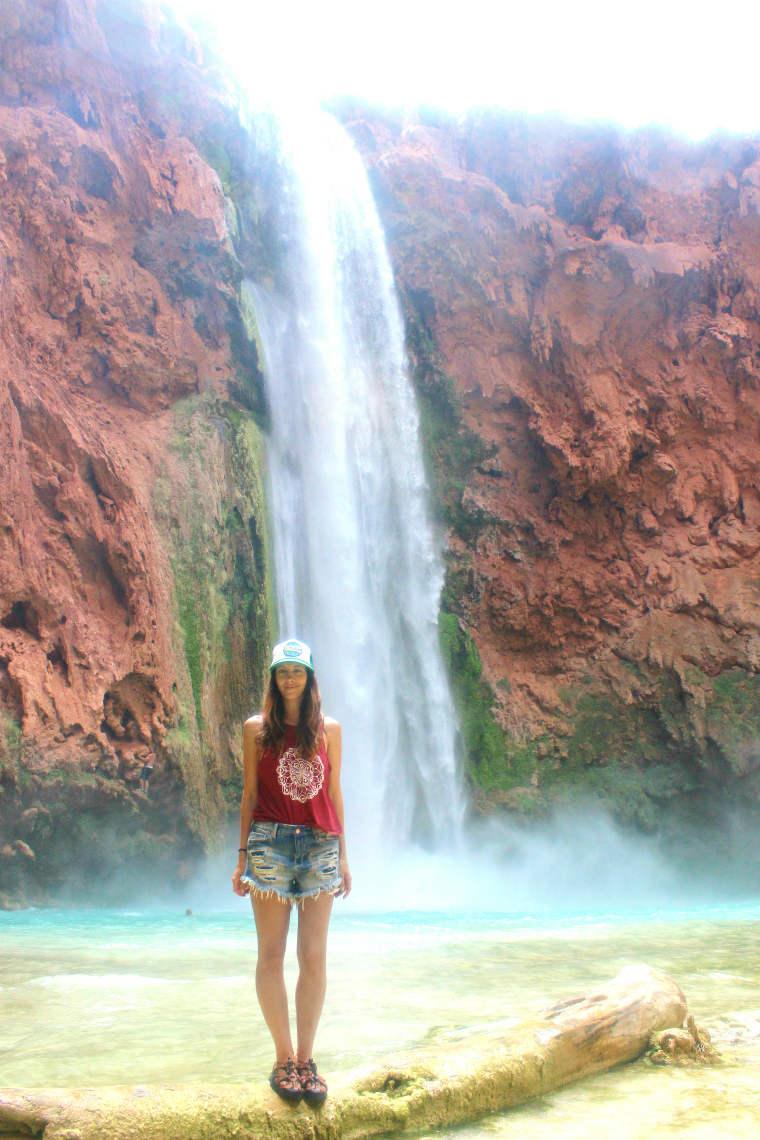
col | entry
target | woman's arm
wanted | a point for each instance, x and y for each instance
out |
(334, 752)
(251, 755)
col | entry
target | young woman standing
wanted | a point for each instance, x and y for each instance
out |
(292, 851)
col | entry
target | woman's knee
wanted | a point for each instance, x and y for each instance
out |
(271, 957)
(312, 957)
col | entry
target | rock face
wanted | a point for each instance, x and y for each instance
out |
(583, 308)
(132, 553)
(583, 315)
(683, 1046)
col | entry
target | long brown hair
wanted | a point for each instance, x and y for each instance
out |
(310, 724)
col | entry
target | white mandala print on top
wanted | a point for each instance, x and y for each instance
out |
(300, 779)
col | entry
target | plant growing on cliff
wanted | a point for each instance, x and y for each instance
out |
(452, 451)
(733, 717)
(220, 558)
(10, 747)
(493, 760)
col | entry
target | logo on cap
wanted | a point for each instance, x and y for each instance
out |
(292, 649)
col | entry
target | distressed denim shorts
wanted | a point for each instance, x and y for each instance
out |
(291, 861)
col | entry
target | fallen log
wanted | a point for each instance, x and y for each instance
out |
(419, 1089)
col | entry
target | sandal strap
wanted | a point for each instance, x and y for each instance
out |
(307, 1072)
(289, 1073)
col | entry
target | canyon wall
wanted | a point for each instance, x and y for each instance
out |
(583, 321)
(583, 315)
(134, 612)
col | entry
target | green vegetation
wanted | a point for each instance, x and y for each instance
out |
(493, 760)
(451, 449)
(632, 794)
(179, 743)
(733, 716)
(604, 729)
(659, 737)
(209, 504)
(626, 757)
(214, 151)
(249, 593)
(100, 861)
(249, 388)
(637, 761)
(11, 732)
(10, 747)
(189, 583)
(200, 604)
(219, 556)
(232, 790)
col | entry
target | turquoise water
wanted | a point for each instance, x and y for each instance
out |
(119, 997)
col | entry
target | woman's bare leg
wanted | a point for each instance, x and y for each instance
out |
(272, 921)
(313, 920)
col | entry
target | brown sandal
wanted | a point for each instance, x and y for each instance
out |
(286, 1081)
(314, 1087)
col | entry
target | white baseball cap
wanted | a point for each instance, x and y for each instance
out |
(292, 652)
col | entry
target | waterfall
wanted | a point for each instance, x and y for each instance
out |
(358, 566)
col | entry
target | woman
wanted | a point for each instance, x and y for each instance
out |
(292, 850)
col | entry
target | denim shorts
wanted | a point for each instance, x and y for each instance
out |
(291, 861)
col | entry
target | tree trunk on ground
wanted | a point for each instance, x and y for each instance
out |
(420, 1089)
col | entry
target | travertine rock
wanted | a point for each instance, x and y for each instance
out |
(424, 1089)
(683, 1046)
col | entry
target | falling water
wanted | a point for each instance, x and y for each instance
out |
(358, 567)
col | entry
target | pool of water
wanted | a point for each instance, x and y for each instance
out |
(118, 997)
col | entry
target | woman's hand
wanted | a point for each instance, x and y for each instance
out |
(238, 887)
(345, 879)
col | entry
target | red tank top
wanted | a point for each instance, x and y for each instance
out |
(294, 790)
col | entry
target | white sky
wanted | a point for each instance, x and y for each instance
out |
(691, 66)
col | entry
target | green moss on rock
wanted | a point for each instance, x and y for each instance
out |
(10, 747)
(219, 555)
(732, 717)
(248, 388)
(452, 451)
(493, 760)
(633, 759)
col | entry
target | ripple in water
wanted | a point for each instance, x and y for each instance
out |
(93, 998)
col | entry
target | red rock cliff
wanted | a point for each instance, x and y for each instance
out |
(584, 305)
(131, 530)
(583, 317)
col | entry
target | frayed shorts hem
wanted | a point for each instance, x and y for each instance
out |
(258, 892)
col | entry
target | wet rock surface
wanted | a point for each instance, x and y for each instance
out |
(689, 1044)
(583, 312)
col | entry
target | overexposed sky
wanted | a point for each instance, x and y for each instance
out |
(691, 66)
